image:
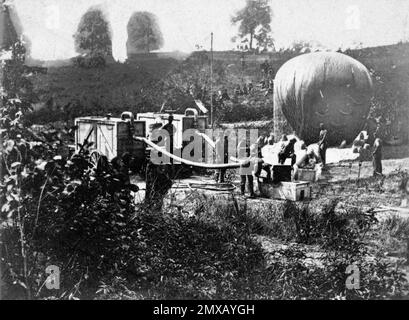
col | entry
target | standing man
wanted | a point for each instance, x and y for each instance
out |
(322, 144)
(222, 154)
(377, 157)
(261, 165)
(283, 141)
(170, 128)
(246, 169)
(270, 140)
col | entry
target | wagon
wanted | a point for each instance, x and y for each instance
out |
(182, 122)
(111, 137)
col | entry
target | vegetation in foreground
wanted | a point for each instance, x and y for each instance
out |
(69, 212)
(107, 248)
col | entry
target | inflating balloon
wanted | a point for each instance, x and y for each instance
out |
(322, 87)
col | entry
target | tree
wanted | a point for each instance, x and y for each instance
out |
(256, 13)
(264, 39)
(144, 34)
(93, 35)
(302, 46)
(8, 35)
(12, 30)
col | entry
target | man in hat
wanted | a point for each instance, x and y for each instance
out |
(246, 169)
(261, 165)
(170, 128)
(270, 139)
(288, 152)
(377, 157)
(222, 153)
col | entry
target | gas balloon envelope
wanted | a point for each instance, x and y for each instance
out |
(322, 87)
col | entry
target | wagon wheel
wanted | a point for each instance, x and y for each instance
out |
(95, 156)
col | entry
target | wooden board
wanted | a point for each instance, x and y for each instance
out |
(294, 191)
(307, 175)
(112, 137)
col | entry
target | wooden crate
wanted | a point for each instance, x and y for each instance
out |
(295, 191)
(281, 173)
(181, 123)
(307, 175)
(111, 136)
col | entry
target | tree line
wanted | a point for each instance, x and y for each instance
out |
(93, 36)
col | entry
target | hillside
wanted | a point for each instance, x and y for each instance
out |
(144, 82)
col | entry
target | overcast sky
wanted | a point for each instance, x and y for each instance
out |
(50, 24)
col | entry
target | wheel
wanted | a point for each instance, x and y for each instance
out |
(95, 156)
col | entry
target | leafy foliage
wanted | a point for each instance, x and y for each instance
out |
(144, 34)
(95, 61)
(93, 35)
(64, 210)
(256, 13)
(9, 33)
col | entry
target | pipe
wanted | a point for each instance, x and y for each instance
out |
(188, 162)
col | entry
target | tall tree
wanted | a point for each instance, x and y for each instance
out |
(8, 35)
(14, 74)
(256, 13)
(144, 34)
(93, 35)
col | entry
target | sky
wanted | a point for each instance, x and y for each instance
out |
(50, 24)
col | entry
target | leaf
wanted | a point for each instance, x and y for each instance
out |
(10, 214)
(14, 165)
(5, 207)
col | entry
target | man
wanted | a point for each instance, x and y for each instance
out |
(378, 129)
(222, 154)
(323, 144)
(270, 140)
(377, 157)
(265, 66)
(170, 128)
(245, 170)
(404, 187)
(260, 162)
(307, 160)
(225, 95)
(287, 151)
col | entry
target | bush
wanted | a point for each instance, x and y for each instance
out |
(90, 62)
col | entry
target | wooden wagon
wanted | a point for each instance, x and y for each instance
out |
(111, 137)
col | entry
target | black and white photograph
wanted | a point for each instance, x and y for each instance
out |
(212, 153)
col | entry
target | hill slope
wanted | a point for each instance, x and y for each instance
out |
(143, 83)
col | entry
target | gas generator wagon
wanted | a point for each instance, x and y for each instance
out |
(182, 122)
(111, 137)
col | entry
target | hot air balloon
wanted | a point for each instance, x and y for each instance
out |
(322, 87)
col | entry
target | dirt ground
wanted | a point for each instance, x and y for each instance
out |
(346, 180)
(342, 166)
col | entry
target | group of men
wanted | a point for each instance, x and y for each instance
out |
(254, 162)
(253, 154)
